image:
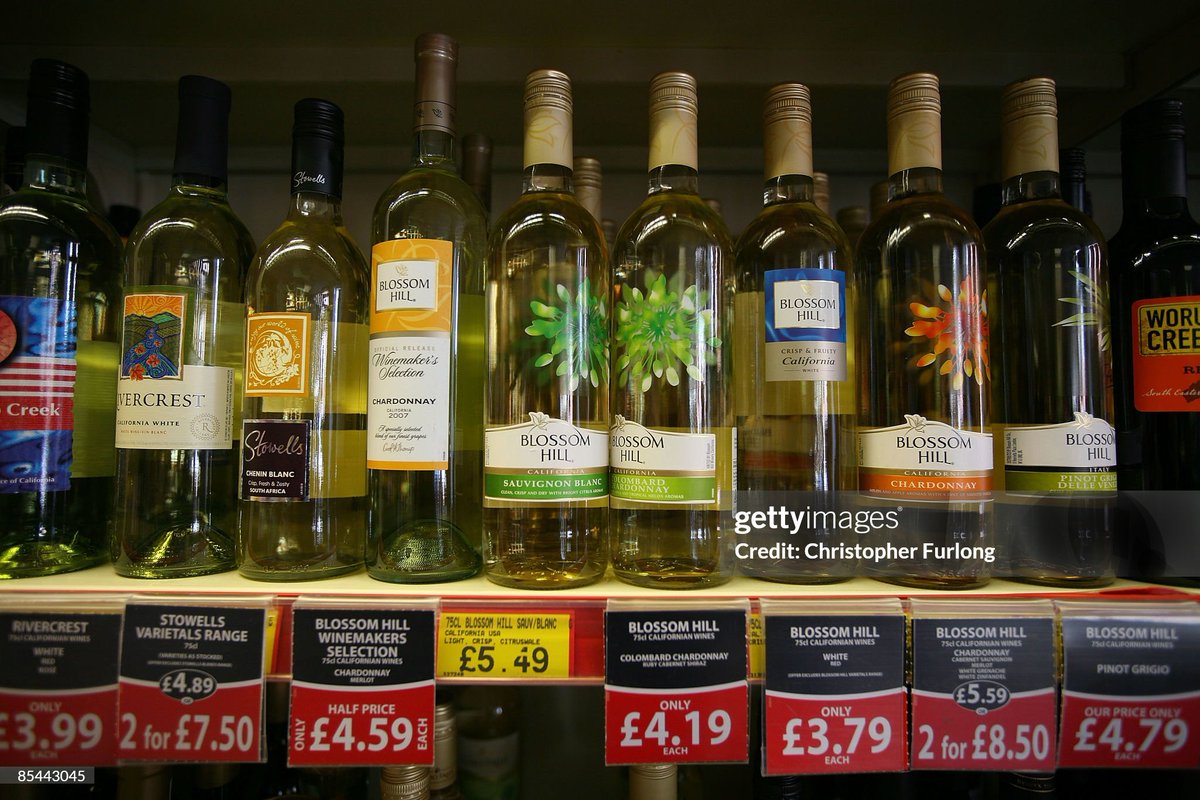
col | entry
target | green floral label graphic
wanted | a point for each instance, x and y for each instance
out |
(1092, 305)
(575, 330)
(658, 331)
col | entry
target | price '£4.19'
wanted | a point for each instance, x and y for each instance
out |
(675, 730)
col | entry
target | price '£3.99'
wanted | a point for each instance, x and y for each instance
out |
(26, 732)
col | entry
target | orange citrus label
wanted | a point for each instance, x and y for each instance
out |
(1166, 358)
(277, 354)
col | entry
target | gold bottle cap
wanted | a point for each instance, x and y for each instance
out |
(821, 191)
(587, 180)
(548, 131)
(787, 131)
(404, 783)
(914, 122)
(1029, 138)
(436, 55)
(674, 105)
(652, 781)
(445, 747)
(879, 197)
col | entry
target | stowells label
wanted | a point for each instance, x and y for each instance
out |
(1166, 360)
(277, 354)
(662, 466)
(1078, 456)
(805, 324)
(275, 459)
(925, 459)
(544, 460)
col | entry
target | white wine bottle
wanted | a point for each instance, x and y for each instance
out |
(180, 383)
(589, 183)
(546, 440)
(793, 346)
(303, 472)
(425, 412)
(672, 439)
(924, 438)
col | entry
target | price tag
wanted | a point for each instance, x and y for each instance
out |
(1131, 692)
(362, 686)
(58, 688)
(191, 682)
(835, 694)
(675, 686)
(984, 693)
(486, 644)
(757, 646)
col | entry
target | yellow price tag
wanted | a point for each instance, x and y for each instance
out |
(757, 653)
(519, 646)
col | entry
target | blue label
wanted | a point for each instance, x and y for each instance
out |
(805, 305)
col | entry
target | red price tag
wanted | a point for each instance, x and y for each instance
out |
(362, 686)
(675, 686)
(984, 694)
(58, 688)
(192, 683)
(806, 735)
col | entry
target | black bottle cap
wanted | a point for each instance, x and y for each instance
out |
(1074, 163)
(57, 114)
(202, 138)
(14, 157)
(1161, 118)
(1153, 151)
(318, 136)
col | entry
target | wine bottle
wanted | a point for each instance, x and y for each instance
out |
(1055, 447)
(14, 159)
(793, 385)
(672, 440)
(443, 776)
(404, 783)
(477, 168)
(425, 417)
(60, 282)
(924, 438)
(180, 381)
(1156, 305)
(821, 192)
(546, 397)
(588, 182)
(880, 197)
(1074, 179)
(653, 782)
(303, 472)
(853, 220)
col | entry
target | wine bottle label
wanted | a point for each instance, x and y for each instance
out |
(544, 460)
(805, 324)
(923, 459)
(1166, 354)
(650, 465)
(275, 459)
(278, 347)
(1078, 456)
(408, 385)
(162, 402)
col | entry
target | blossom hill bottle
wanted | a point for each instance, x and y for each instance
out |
(60, 284)
(425, 418)
(179, 385)
(672, 437)
(794, 391)
(303, 474)
(546, 441)
(1055, 447)
(924, 440)
(588, 181)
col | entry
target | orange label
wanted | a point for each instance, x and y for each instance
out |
(277, 354)
(1166, 360)
(931, 487)
(411, 284)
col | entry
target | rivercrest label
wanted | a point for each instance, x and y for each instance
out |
(1166, 354)
(544, 460)
(662, 466)
(408, 382)
(1078, 456)
(925, 459)
(805, 323)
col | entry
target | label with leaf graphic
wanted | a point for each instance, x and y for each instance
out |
(574, 330)
(1078, 456)
(660, 466)
(925, 459)
(956, 328)
(544, 460)
(664, 334)
(805, 324)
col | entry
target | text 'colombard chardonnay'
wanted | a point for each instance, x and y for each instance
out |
(1055, 446)
(179, 389)
(425, 380)
(60, 286)
(672, 438)
(304, 438)
(925, 446)
(546, 439)
(793, 345)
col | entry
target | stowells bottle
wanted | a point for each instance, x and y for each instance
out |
(924, 440)
(546, 441)
(303, 471)
(672, 440)
(60, 285)
(1055, 447)
(425, 416)
(180, 382)
(794, 390)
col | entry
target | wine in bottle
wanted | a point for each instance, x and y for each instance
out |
(60, 283)
(1055, 447)
(546, 397)
(303, 472)
(924, 439)
(794, 390)
(425, 415)
(672, 439)
(180, 382)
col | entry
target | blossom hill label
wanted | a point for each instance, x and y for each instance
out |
(925, 459)
(545, 460)
(805, 324)
(663, 466)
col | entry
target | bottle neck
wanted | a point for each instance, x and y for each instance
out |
(316, 207)
(55, 175)
(920, 180)
(789, 189)
(548, 178)
(433, 148)
(1030, 186)
(674, 178)
(1154, 178)
(200, 185)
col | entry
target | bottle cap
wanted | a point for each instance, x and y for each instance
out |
(674, 106)
(1029, 141)
(1028, 97)
(916, 91)
(404, 783)
(673, 90)
(202, 137)
(318, 133)
(436, 55)
(1157, 119)
(587, 172)
(1074, 163)
(914, 108)
(57, 111)
(548, 134)
(821, 191)
(787, 131)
